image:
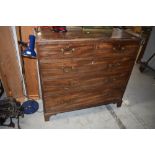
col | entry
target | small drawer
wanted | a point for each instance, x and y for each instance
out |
(116, 65)
(68, 50)
(116, 50)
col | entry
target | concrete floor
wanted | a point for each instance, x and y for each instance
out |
(137, 111)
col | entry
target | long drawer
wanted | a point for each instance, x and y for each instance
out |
(79, 83)
(65, 68)
(81, 99)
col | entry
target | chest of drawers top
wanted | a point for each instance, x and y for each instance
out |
(47, 36)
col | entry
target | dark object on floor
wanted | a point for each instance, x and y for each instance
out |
(144, 65)
(1, 89)
(30, 106)
(10, 108)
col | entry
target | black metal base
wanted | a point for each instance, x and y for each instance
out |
(145, 65)
(10, 108)
(11, 124)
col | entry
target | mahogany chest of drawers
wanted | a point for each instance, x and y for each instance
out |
(80, 70)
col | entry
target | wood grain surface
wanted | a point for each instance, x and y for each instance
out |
(9, 67)
(30, 66)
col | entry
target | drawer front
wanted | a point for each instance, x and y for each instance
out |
(70, 67)
(117, 50)
(67, 86)
(66, 64)
(82, 99)
(66, 50)
(66, 68)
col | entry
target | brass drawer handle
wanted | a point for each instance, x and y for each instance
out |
(66, 88)
(117, 64)
(68, 69)
(114, 79)
(106, 81)
(111, 65)
(106, 94)
(114, 65)
(66, 102)
(67, 51)
(118, 48)
(73, 83)
(122, 48)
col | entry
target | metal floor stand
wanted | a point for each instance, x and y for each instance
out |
(145, 64)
